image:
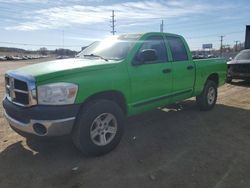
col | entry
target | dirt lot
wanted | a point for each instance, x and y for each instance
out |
(178, 146)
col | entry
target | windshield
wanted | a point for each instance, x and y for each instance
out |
(243, 55)
(115, 48)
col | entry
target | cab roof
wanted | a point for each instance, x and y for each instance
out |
(139, 35)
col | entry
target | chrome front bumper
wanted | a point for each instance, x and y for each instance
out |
(56, 127)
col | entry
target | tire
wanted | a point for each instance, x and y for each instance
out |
(97, 122)
(229, 80)
(208, 97)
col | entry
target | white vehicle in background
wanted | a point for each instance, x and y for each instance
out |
(239, 67)
(3, 58)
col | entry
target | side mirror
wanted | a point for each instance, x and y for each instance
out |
(230, 58)
(145, 56)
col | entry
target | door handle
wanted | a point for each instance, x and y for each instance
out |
(165, 71)
(190, 67)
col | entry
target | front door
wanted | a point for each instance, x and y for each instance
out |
(151, 82)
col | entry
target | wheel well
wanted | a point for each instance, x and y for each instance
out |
(214, 77)
(115, 96)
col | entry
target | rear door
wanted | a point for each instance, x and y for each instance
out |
(183, 68)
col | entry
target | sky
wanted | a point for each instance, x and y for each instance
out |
(31, 24)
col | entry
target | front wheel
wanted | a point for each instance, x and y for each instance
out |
(208, 97)
(99, 127)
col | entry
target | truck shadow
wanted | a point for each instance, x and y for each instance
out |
(170, 142)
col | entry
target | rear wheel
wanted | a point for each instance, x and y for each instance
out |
(208, 97)
(99, 127)
(229, 80)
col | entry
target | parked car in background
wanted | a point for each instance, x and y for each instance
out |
(199, 56)
(239, 67)
(62, 57)
(3, 58)
(17, 58)
(9, 58)
(24, 57)
(211, 56)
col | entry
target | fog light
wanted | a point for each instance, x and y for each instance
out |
(39, 129)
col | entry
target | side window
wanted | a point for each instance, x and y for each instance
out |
(156, 43)
(178, 50)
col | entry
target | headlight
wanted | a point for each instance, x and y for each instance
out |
(57, 93)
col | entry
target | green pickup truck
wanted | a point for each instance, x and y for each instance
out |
(89, 96)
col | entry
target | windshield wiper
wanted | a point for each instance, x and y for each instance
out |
(94, 55)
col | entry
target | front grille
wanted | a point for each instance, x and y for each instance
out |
(21, 85)
(241, 68)
(18, 89)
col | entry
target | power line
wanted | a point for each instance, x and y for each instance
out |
(113, 22)
(213, 35)
(85, 28)
(47, 45)
(194, 25)
(18, 14)
(204, 26)
(188, 23)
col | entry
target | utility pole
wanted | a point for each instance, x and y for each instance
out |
(221, 44)
(162, 26)
(63, 38)
(236, 45)
(113, 22)
(63, 42)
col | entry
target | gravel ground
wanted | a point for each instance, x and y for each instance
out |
(177, 146)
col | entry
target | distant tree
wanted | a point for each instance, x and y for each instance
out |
(65, 52)
(43, 51)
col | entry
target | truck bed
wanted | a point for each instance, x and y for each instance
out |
(206, 67)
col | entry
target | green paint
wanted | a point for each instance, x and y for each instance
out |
(138, 84)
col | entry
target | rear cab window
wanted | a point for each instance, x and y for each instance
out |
(177, 48)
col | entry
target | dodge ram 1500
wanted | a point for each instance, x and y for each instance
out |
(90, 95)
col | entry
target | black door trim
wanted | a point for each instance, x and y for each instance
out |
(161, 98)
